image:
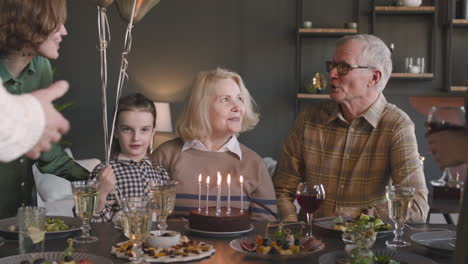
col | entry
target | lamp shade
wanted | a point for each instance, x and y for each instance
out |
(163, 117)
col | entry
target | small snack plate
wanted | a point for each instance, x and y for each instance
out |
(218, 234)
(9, 227)
(328, 223)
(236, 245)
(186, 250)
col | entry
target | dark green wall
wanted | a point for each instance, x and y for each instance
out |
(255, 38)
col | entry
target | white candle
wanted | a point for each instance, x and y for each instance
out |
(199, 192)
(207, 192)
(229, 194)
(218, 197)
(241, 179)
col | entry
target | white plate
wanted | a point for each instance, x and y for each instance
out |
(167, 259)
(443, 240)
(53, 256)
(235, 244)
(329, 222)
(218, 234)
(74, 223)
(402, 257)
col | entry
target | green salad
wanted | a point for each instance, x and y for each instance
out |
(52, 225)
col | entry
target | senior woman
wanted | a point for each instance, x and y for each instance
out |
(217, 110)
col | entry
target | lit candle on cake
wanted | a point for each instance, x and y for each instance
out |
(218, 197)
(207, 192)
(199, 192)
(241, 179)
(229, 194)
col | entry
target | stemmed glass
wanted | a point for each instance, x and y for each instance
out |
(137, 223)
(85, 194)
(445, 118)
(164, 196)
(310, 197)
(399, 199)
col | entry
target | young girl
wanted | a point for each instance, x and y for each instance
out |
(130, 169)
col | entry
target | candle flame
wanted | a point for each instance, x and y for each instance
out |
(219, 178)
(229, 179)
(207, 179)
(199, 178)
(241, 179)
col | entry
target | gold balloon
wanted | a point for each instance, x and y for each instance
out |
(104, 3)
(141, 8)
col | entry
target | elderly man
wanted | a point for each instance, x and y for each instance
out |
(355, 144)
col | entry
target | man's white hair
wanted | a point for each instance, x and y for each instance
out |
(374, 53)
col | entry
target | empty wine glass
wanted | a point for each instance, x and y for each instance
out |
(137, 223)
(399, 199)
(445, 118)
(310, 197)
(85, 194)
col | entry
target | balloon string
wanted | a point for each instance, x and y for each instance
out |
(103, 28)
(122, 74)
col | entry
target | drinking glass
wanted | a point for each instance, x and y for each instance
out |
(310, 197)
(399, 199)
(445, 118)
(31, 229)
(137, 223)
(164, 196)
(85, 194)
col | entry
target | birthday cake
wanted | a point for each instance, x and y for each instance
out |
(224, 222)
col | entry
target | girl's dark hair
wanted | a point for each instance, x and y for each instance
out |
(26, 24)
(133, 102)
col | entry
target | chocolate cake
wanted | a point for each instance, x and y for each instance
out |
(235, 221)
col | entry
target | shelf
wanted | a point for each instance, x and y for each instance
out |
(458, 88)
(416, 76)
(404, 10)
(460, 22)
(313, 96)
(326, 31)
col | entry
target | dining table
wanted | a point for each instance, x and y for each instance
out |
(108, 236)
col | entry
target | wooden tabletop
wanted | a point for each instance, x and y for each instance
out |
(109, 236)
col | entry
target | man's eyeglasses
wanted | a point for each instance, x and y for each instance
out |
(344, 68)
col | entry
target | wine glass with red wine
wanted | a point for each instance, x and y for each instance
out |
(310, 197)
(445, 118)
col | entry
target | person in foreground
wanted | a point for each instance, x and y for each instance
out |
(449, 149)
(130, 170)
(355, 144)
(218, 109)
(30, 123)
(30, 35)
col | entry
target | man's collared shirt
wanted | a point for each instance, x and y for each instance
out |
(354, 161)
(232, 146)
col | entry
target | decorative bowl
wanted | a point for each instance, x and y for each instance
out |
(163, 238)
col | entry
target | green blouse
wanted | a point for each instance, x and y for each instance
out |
(17, 180)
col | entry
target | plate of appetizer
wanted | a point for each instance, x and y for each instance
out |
(282, 244)
(184, 250)
(342, 223)
(55, 226)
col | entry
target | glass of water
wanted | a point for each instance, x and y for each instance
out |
(164, 196)
(399, 199)
(31, 229)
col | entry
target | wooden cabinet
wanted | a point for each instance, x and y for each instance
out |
(398, 19)
(456, 40)
(316, 45)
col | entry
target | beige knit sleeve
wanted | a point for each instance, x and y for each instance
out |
(22, 123)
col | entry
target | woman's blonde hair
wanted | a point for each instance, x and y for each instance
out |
(26, 24)
(194, 122)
